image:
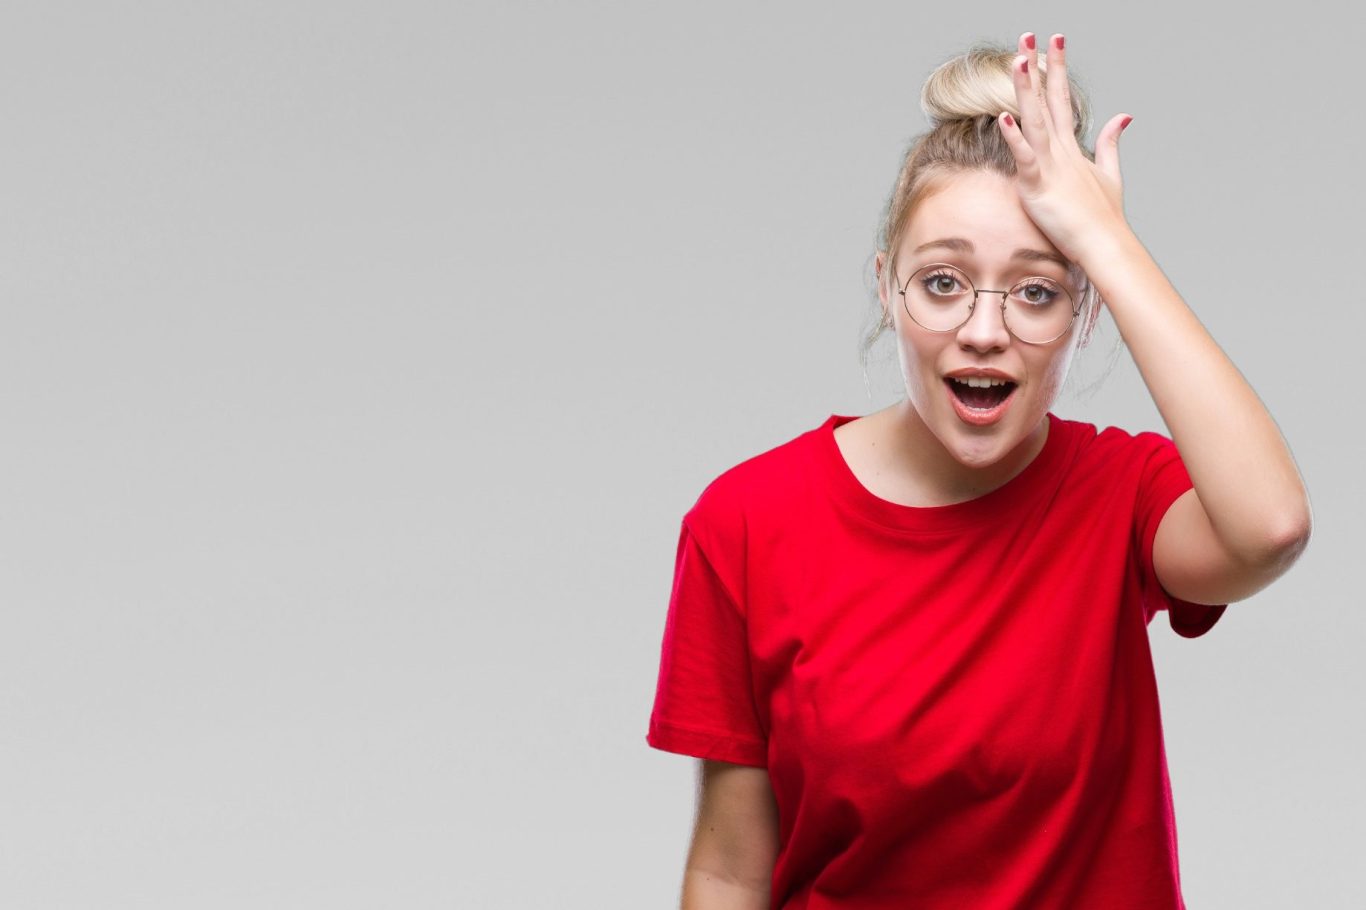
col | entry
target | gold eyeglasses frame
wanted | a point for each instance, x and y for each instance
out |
(1005, 295)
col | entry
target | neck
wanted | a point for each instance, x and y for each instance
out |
(914, 445)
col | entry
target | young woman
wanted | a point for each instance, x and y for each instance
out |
(911, 648)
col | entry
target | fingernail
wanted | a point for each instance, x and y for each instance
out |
(1010, 121)
(1029, 40)
(1127, 121)
(1060, 42)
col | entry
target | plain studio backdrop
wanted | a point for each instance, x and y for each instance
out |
(360, 360)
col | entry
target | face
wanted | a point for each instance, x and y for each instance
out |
(984, 209)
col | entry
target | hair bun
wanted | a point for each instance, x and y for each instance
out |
(979, 83)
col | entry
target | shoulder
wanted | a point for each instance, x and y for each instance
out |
(1110, 448)
(756, 486)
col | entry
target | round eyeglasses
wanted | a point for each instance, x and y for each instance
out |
(940, 297)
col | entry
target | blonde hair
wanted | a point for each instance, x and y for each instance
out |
(962, 99)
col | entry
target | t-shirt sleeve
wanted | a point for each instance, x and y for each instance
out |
(704, 702)
(1163, 480)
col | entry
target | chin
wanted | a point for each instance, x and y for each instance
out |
(982, 451)
(982, 447)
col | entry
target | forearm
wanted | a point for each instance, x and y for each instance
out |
(1238, 461)
(703, 890)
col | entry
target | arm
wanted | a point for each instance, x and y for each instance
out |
(1248, 518)
(735, 839)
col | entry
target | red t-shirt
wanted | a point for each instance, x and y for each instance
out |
(956, 705)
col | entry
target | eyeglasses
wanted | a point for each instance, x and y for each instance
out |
(940, 297)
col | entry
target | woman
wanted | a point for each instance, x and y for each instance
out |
(911, 648)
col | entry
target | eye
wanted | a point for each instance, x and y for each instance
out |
(1038, 292)
(941, 283)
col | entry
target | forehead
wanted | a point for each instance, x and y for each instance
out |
(981, 207)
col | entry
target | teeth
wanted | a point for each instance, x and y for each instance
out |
(979, 382)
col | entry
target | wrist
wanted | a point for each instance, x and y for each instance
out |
(1114, 259)
(1104, 247)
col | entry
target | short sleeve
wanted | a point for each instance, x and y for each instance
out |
(1163, 480)
(704, 701)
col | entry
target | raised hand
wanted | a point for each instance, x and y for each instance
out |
(1076, 202)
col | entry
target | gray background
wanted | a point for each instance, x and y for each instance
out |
(359, 362)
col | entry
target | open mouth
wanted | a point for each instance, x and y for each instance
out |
(980, 398)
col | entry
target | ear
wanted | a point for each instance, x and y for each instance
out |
(1092, 316)
(879, 262)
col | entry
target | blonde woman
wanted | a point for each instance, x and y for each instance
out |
(910, 648)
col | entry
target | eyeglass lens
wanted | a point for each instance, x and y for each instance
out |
(1037, 310)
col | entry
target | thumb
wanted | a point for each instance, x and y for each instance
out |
(1107, 146)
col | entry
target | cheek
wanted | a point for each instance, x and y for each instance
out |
(918, 370)
(917, 361)
(1050, 375)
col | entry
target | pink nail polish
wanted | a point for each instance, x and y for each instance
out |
(1127, 121)
(1029, 41)
(1060, 42)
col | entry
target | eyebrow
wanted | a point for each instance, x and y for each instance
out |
(958, 244)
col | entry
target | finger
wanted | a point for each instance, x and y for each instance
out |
(1107, 146)
(1026, 162)
(1059, 94)
(1028, 50)
(1033, 117)
(1038, 63)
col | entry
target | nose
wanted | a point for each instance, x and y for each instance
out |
(985, 329)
